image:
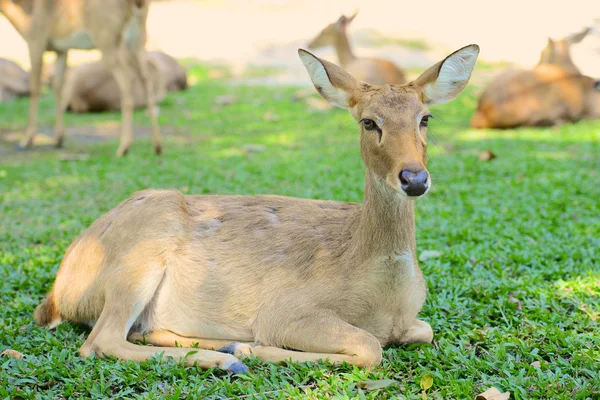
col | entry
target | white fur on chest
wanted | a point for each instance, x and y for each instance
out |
(398, 298)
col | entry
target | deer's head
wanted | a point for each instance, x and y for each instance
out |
(557, 52)
(327, 37)
(393, 119)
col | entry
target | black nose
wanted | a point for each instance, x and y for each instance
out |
(414, 183)
(597, 85)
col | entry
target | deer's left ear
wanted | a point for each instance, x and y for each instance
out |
(446, 79)
(333, 83)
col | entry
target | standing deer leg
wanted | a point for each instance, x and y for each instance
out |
(117, 64)
(36, 53)
(150, 91)
(320, 336)
(61, 99)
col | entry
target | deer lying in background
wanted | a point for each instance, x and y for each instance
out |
(92, 88)
(371, 70)
(330, 280)
(14, 81)
(553, 92)
(115, 27)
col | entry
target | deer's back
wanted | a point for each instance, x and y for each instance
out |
(92, 88)
(173, 73)
(376, 71)
(543, 96)
(14, 81)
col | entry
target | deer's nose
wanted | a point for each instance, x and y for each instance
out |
(414, 183)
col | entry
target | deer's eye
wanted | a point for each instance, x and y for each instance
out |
(369, 124)
(425, 121)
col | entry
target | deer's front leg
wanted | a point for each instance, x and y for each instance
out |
(318, 335)
(418, 332)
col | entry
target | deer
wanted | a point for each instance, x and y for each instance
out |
(92, 88)
(115, 27)
(278, 278)
(375, 71)
(14, 81)
(553, 92)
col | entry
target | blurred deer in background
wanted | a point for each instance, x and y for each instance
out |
(371, 70)
(553, 92)
(14, 81)
(330, 280)
(115, 27)
(92, 88)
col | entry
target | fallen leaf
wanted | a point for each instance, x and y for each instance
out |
(270, 116)
(254, 148)
(376, 384)
(427, 254)
(73, 157)
(536, 364)
(318, 104)
(225, 99)
(426, 381)
(12, 354)
(486, 155)
(516, 301)
(493, 394)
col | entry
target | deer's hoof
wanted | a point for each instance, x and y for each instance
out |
(122, 152)
(238, 368)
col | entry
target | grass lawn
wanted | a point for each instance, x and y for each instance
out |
(513, 296)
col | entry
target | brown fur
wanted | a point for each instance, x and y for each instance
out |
(375, 71)
(14, 81)
(115, 27)
(553, 92)
(92, 88)
(335, 280)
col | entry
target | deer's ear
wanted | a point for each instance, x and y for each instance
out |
(446, 79)
(333, 83)
(578, 37)
(344, 21)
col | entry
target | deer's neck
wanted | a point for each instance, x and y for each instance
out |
(385, 224)
(17, 16)
(342, 48)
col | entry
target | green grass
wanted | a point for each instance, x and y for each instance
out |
(523, 226)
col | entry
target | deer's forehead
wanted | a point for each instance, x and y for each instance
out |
(393, 106)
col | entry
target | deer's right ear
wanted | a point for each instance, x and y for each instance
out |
(578, 37)
(333, 83)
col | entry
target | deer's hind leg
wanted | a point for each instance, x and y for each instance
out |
(319, 335)
(171, 339)
(125, 301)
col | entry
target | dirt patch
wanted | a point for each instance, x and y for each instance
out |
(78, 139)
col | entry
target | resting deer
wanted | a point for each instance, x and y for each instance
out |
(371, 70)
(277, 277)
(14, 81)
(92, 88)
(553, 92)
(115, 27)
